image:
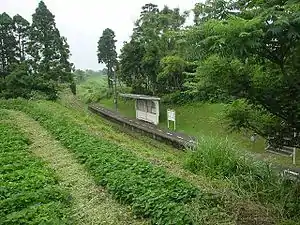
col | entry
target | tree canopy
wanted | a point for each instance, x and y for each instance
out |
(107, 53)
(244, 53)
(34, 58)
(153, 38)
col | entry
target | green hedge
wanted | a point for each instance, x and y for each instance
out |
(150, 191)
(29, 192)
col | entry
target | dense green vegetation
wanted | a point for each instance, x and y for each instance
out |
(34, 58)
(237, 65)
(221, 159)
(30, 193)
(205, 120)
(93, 89)
(240, 52)
(151, 191)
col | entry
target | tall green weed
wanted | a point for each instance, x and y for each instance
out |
(251, 178)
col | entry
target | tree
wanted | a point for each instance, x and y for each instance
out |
(107, 53)
(34, 59)
(48, 50)
(8, 44)
(172, 74)
(21, 30)
(19, 82)
(257, 58)
(131, 71)
(152, 39)
(213, 9)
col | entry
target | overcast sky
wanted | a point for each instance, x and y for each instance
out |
(82, 22)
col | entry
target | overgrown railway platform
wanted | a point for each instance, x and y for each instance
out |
(177, 139)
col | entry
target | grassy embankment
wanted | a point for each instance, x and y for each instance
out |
(149, 190)
(203, 120)
(214, 185)
(90, 204)
(30, 192)
(248, 187)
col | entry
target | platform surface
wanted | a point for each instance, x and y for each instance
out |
(180, 138)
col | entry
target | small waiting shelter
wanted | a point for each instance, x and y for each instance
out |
(146, 107)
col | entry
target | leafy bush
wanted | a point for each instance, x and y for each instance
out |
(256, 179)
(149, 190)
(177, 97)
(29, 192)
(213, 158)
(171, 76)
(93, 91)
(242, 115)
(198, 88)
(22, 83)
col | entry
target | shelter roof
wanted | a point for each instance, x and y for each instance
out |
(145, 97)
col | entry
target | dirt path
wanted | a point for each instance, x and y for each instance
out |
(92, 205)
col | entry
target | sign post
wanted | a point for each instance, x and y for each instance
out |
(171, 117)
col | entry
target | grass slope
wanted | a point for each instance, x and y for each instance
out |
(220, 200)
(93, 89)
(30, 193)
(91, 204)
(149, 190)
(204, 120)
(245, 184)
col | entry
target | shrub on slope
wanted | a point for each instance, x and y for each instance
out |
(253, 178)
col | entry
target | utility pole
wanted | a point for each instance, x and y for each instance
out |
(115, 91)
(294, 149)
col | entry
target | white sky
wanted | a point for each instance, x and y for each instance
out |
(82, 22)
